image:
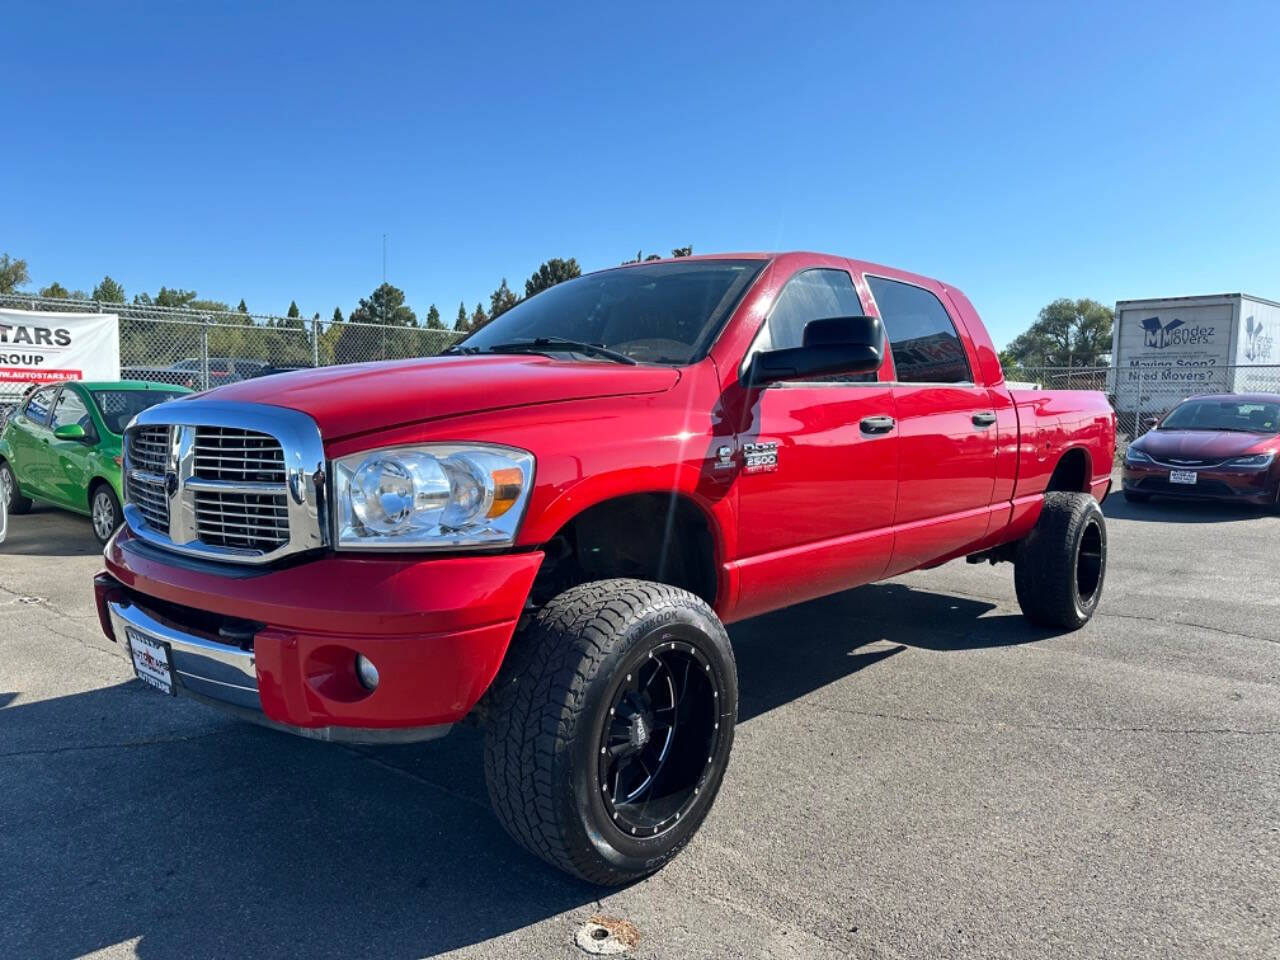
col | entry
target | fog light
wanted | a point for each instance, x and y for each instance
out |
(366, 671)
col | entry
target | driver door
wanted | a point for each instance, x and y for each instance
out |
(817, 485)
(30, 442)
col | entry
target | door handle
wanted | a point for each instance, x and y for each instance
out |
(984, 419)
(876, 425)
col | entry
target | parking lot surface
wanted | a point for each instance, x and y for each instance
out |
(917, 773)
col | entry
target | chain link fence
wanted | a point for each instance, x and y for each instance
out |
(201, 349)
(1142, 395)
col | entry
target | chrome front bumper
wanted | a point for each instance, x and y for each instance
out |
(205, 668)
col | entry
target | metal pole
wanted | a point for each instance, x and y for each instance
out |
(315, 341)
(204, 353)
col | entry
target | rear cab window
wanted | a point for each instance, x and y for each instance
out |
(923, 339)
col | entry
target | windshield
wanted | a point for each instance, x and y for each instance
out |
(1244, 416)
(118, 407)
(653, 313)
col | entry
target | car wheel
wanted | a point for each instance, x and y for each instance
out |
(1060, 566)
(104, 512)
(18, 504)
(610, 726)
(1132, 496)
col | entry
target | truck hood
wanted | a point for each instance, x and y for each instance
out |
(1200, 444)
(366, 397)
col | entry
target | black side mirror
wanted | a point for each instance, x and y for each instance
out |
(837, 345)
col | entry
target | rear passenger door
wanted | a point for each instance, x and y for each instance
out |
(69, 467)
(946, 428)
(30, 442)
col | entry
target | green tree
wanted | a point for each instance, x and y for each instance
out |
(1067, 333)
(550, 273)
(337, 315)
(242, 307)
(501, 300)
(433, 318)
(108, 291)
(55, 290)
(13, 273)
(462, 324)
(293, 312)
(683, 251)
(479, 319)
(385, 307)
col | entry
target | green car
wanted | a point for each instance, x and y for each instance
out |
(63, 445)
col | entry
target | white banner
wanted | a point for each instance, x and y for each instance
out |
(41, 347)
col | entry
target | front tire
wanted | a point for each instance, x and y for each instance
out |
(104, 512)
(610, 727)
(18, 504)
(1061, 564)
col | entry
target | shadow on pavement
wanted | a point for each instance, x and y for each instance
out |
(149, 820)
(1169, 510)
(49, 532)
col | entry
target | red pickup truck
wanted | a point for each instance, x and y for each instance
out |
(548, 528)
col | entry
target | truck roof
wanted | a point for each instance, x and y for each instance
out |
(1201, 298)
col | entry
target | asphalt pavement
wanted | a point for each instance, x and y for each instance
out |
(917, 773)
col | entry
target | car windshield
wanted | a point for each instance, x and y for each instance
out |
(1243, 416)
(118, 407)
(652, 313)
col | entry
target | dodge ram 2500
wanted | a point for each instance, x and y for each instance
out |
(547, 528)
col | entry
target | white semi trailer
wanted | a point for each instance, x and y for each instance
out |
(1166, 349)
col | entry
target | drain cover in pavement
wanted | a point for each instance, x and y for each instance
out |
(607, 936)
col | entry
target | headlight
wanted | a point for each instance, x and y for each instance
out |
(1256, 461)
(1134, 455)
(436, 496)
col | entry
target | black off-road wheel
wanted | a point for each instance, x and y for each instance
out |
(18, 504)
(610, 727)
(1061, 565)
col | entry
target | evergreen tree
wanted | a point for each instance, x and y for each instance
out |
(550, 273)
(242, 307)
(433, 318)
(55, 290)
(337, 315)
(108, 291)
(293, 311)
(479, 319)
(501, 300)
(462, 324)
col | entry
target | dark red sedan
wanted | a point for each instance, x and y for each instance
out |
(1223, 447)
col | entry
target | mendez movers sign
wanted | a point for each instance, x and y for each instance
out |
(39, 347)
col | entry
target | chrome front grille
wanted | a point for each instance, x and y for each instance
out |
(148, 452)
(228, 453)
(243, 520)
(229, 481)
(237, 517)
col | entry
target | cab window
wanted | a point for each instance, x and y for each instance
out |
(811, 295)
(926, 347)
(38, 406)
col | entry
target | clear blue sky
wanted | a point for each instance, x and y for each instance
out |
(1022, 151)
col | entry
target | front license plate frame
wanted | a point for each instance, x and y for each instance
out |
(152, 661)
(1183, 476)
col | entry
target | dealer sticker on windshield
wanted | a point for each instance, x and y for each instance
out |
(1182, 476)
(151, 660)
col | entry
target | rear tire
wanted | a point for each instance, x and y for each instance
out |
(1061, 564)
(104, 511)
(611, 681)
(1132, 496)
(18, 504)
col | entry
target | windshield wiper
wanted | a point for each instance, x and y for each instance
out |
(546, 344)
